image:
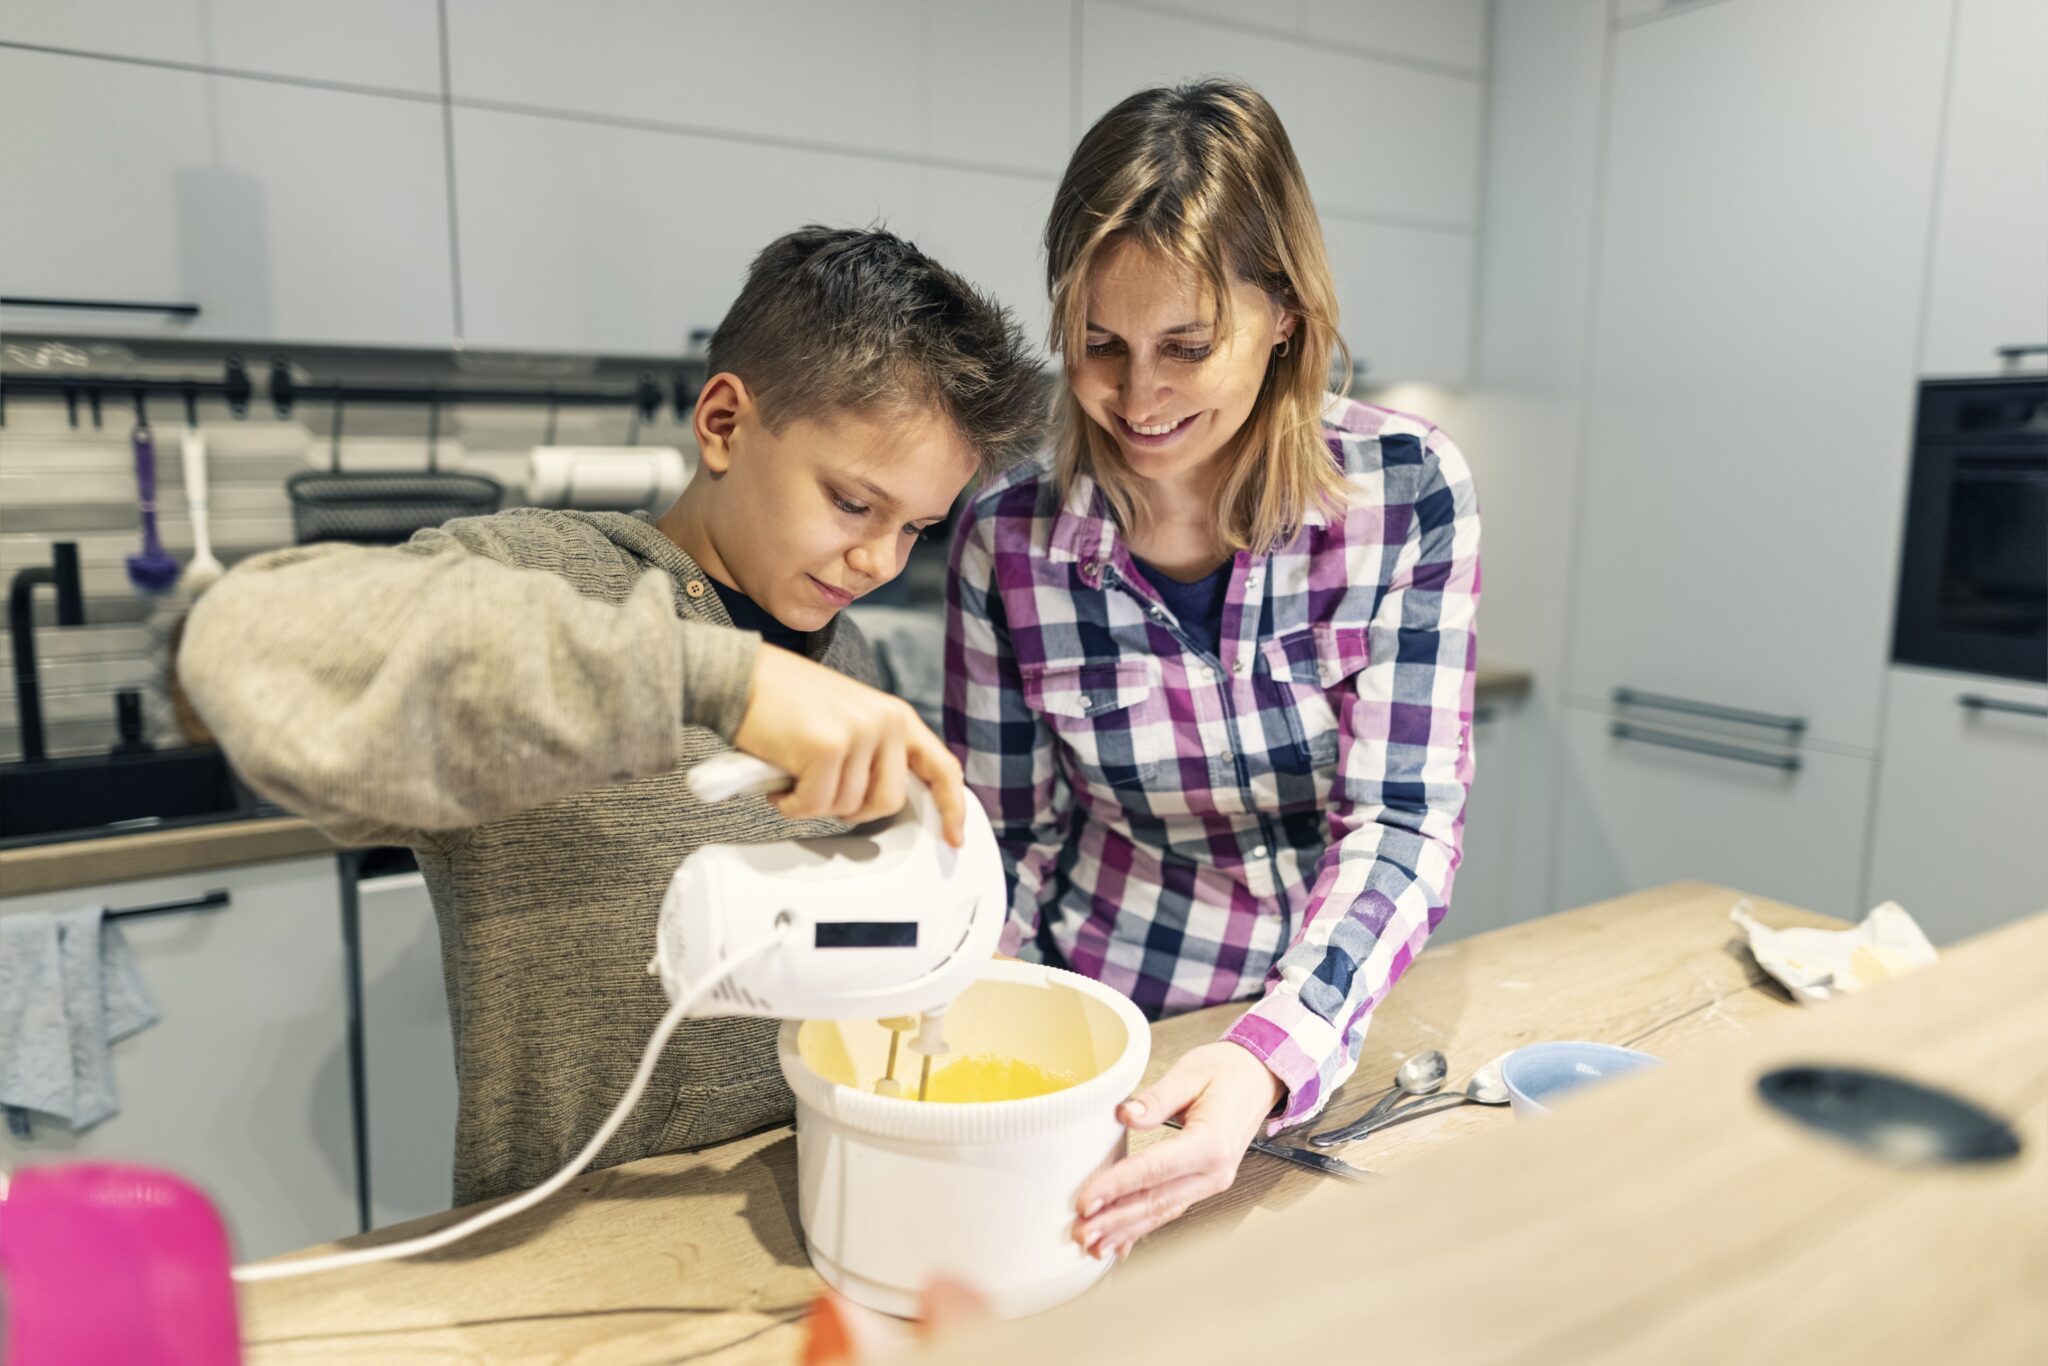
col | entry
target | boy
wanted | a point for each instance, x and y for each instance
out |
(518, 697)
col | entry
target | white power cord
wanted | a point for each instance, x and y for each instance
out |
(429, 1242)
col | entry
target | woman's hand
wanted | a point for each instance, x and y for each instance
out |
(848, 745)
(1225, 1095)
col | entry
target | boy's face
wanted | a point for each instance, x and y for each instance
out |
(807, 519)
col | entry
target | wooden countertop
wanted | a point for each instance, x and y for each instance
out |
(697, 1256)
(158, 853)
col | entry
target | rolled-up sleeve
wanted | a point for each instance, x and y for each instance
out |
(1396, 812)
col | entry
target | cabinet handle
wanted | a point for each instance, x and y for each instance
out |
(2028, 349)
(102, 306)
(1971, 701)
(1483, 715)
(1630, 697)
(205, 902)
(1621, 730)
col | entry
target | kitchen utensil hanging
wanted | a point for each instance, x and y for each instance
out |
(385, 507)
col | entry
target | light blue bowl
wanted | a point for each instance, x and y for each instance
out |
(1537, 1075)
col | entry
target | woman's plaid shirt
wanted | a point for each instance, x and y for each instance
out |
(1280, 820)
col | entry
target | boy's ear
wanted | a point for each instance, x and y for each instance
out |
(723, 405)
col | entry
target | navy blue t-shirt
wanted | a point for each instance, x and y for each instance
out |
(749, 616)
(1198, 605)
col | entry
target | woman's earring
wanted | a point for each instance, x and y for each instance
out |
(1281, 349)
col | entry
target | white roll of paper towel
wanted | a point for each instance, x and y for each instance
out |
(607, 478)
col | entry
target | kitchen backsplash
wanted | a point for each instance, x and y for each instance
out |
(62, 483)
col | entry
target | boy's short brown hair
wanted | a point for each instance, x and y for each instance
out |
(847, 319)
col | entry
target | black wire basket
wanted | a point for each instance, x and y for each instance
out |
(384, 508)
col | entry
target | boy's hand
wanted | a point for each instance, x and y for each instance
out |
(848, 744)
(1223, 1094)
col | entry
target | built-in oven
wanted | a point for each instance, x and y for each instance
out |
(1973, 580)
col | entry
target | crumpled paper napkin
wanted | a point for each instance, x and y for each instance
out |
(1817, 964)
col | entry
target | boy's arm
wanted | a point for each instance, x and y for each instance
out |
(426, 688)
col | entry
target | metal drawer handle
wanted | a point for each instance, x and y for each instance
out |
(205, 902)
(1978, 702)
(1629, 697)
(103, 306)
(2028, 349)
(1621, 730)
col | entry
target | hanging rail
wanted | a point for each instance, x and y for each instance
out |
(234, 388)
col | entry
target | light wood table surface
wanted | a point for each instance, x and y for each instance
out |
(697, 1257)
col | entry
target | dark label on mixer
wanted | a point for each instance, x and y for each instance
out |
(867, 934)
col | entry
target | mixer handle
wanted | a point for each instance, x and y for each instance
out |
(737, 775)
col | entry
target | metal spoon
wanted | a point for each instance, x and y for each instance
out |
(1421, 1075)
(1485, 1088)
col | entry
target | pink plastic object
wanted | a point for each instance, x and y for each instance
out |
(105, 1262)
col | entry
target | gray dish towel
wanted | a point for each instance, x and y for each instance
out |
(70, 989)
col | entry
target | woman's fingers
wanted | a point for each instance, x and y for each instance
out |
(1165, 1098)
(856, 777)
(1181, 1155)
(885, 786)
(1117, 1227)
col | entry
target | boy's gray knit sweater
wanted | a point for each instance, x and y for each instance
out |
(517, 697)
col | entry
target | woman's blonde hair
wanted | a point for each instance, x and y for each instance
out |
(1204, 175)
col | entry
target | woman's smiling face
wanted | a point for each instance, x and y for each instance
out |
(1158, 374)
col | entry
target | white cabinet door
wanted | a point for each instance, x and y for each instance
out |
(1404, 300)
(409, 1051)
(287, 213)
(242, 1084)
(584, 237)
(1990, 281)
(1374, 138)
(1769, 182)
(1449, 32)
(394, 44)
(979, 81)
(1634, 814)
(1961, 838)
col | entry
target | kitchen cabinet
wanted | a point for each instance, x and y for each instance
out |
(1989, 285)
(985, 82)
(578, 236)
(288, 213)
(1962, 802)
(408, 1051)
(1448, 32)
(1404, 299)
(242, 1084)
(1762, 251)
(1374, 138)
(1635, 813)
(390, 44)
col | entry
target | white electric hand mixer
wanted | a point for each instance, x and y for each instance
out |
(886, 921)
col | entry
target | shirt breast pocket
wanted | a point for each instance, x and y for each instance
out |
(1309, 668)
(1109, 717)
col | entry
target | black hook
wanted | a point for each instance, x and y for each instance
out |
(71, 407)
(235, 388)
(334, 438)
(554, 411)
(433, 429)
(141, 408)
(282, 393)
(191, 406)
(94, 396)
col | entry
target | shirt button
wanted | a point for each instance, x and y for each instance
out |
(1205, 674)
(1081, 702)
(1259, 852)
(1239, 666)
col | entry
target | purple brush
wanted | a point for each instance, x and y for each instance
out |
(153, 571)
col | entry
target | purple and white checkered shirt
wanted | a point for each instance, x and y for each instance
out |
(1281, 820)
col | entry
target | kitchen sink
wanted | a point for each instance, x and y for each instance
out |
(128, 791)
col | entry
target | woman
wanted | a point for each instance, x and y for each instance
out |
(1209, 669)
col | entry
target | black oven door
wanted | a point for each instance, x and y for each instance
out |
(1973, 581)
